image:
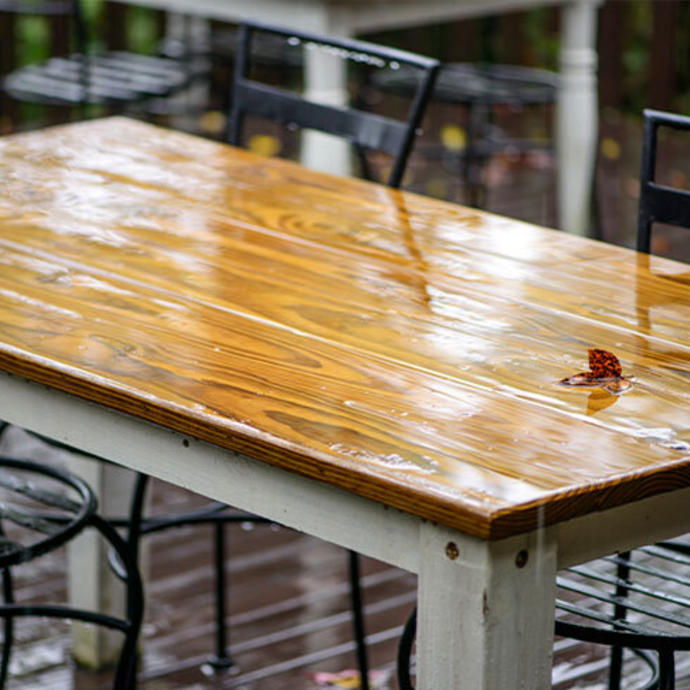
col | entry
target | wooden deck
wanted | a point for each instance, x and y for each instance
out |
(289, 612)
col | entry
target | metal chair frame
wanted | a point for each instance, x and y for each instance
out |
(659, 203)
(56, 529)
(364, 129)
(111, 78)
(136, 526)
(479, 88)
(585, 620)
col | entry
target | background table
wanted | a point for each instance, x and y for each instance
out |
(577, 118)
(376, 368)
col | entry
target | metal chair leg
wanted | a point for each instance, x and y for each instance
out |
(667, 670)
(358, 620)
(405, 651)
(620, 612)
(8, 626)
(126, 671)
(221, 660)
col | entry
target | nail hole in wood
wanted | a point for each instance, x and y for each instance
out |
(521, 558)
(452, 550)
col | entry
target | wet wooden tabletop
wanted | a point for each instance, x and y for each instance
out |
(402, 348)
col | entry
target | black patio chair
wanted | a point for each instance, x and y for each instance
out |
(42, 508)
(138, 524)
(659, 203)
(649, 601)
(365, 130)
(91, 75)
(480, 89)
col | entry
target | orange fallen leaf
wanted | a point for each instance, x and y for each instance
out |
(605, 372)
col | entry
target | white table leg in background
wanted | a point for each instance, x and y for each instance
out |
(577, 117)
(92, 584)
(325, 81)
(486, 611)
(190, 35)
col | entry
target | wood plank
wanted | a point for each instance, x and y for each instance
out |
(384, 431)
(342, 330)
(513, 349)
(402, 242)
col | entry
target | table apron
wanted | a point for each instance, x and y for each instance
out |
(625, 527)
(298, 502)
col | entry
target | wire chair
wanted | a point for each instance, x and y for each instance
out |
(637, 600)
(43, 508)
(91, 75)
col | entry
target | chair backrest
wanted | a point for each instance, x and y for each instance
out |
(363, 129)
(659, 203)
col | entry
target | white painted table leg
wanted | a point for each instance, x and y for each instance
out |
(577, 119)
(325, 79)
(190, 36)
(486, 612)
(92, 584)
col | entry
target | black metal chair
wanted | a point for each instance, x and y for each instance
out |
(649, 602)
(481, 88)
(137, 524)
(42, 508)
(365, 130)
(92, 76)
(659, 203)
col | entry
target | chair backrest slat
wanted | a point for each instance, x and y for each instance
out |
(364, 129)
(286, 107)
(659, 203)
(668, 205)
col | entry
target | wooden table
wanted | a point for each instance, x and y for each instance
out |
(576, 117)
(376, 368)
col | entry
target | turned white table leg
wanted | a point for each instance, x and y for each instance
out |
(325, 81)
(577, 117)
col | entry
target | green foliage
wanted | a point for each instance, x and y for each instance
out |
(541, 41)
(142, 30)
(33, 39)
(638, 23)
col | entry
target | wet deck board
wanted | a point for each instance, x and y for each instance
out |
(289, 615)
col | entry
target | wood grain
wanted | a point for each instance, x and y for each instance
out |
(402, 348)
